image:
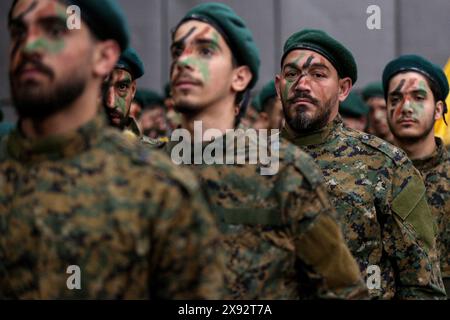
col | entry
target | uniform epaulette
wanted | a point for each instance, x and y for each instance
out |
(392, 152)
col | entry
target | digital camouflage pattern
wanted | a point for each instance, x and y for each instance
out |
(436, 173)
(380, 200)
(280, 233)
(134, 223)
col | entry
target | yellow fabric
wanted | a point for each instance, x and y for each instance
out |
(441, 130)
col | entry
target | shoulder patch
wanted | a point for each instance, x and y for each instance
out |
(411, 206)
(396, 154)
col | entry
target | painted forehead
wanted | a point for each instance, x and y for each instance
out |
(408, 81)
(28, 9)
(305, 58)
(193, 29)
(121, 75)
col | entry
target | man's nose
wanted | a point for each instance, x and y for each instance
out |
(303, 83)
(110, 98)
(407, 108)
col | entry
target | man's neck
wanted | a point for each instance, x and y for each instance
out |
(81, 111)
(220, 117)
(418, 150)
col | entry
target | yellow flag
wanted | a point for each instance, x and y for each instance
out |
(441, 130)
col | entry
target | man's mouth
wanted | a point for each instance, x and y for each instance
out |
(186, 82)
(407, 121)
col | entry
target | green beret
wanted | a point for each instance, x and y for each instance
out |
(105, 19)
(353, 106)
(256, 103)
(147, 98)
(130, 61)
(319, 41)
(373, 90)
(267, 92)
(233, 29)
(417, 64)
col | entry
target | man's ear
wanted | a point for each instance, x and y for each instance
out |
(345, 86)
(241, 78)
(106, 55)
(277, 85)
(438, 113)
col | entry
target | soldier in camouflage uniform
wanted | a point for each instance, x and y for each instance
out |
(279, 230)
(378, 194)
(416, 91)
(74, 192)
(120, 89)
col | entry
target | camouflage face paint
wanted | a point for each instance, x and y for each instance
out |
(289, 83)
(121, 98)
(215, 41)
(198, 63)
(52, 47)
(201, 65)
(32, 6)
(308, 62)
(417, 108)
(186, 36)
(398, 89)
(121, 104)
(19, 19)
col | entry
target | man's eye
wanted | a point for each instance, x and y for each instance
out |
(56, 30)
(176, 52)
(290, 74)
(420, 98)
(318, 75)
(394, 100)
(206, 51)
(122, 87)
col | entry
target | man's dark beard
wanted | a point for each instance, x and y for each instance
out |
(187, 109)
(302, 123)
(33, 102)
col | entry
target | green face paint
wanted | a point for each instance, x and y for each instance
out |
(289, 83)
(52, 47)
(201, 65)
(121, 104)
(418, 109)
(215, 41)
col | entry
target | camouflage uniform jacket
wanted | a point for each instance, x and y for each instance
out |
(280, 233)
(381, 203)
(133, 222)
(436, 173)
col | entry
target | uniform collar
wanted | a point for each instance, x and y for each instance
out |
(58, 146)
(314, 138)
(439, 155)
